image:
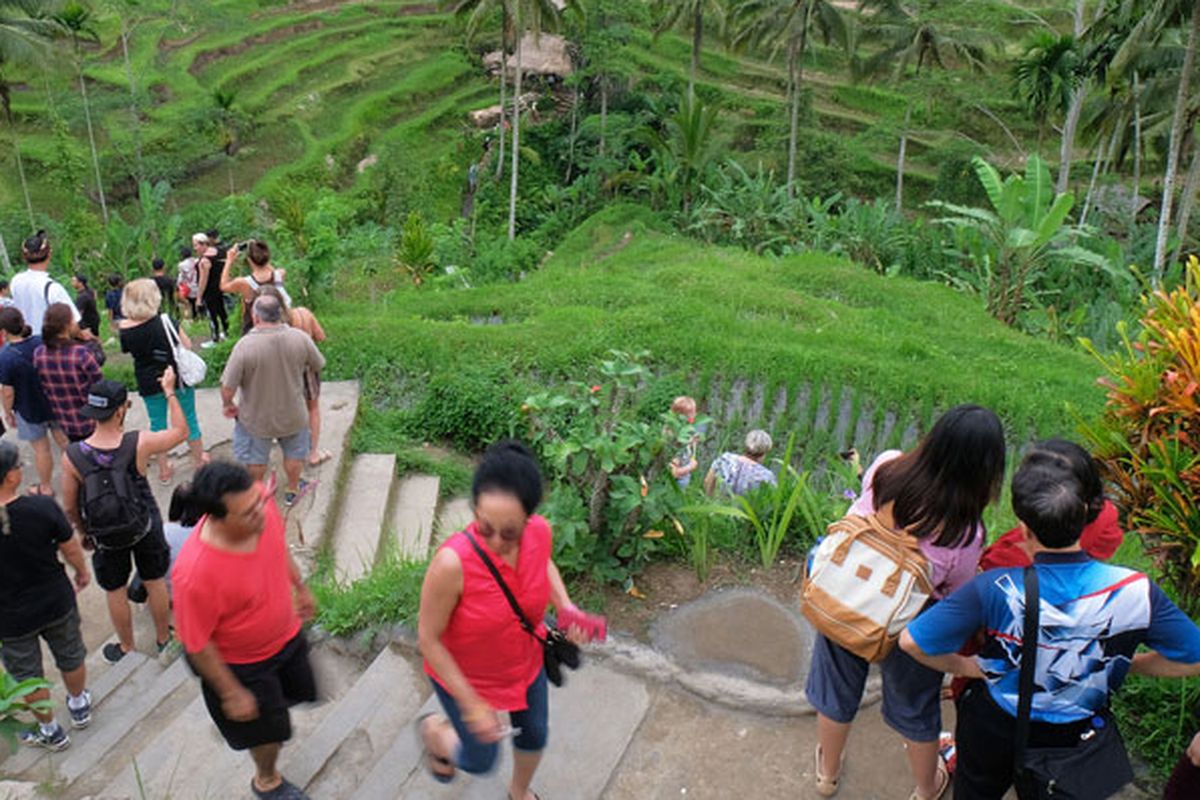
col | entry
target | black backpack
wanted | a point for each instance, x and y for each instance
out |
(114, 511)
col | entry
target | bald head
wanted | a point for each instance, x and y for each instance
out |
(267, 310)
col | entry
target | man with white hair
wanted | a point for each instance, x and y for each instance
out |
(739, 473)
(267, 366)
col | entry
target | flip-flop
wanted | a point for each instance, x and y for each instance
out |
(827, 787)
(432, 760)
(943, 774)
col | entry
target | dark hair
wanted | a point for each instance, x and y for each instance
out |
(941, 487)
(258, 253)
(12, 322)
(213, 235)
(1079, 462)
(10, 459)
(3, 284)
(114, 281)
(55, 324)
(79, 276)
(1050, 501)
(211, 483)
(182, 509)
(509, 467)
(185, 252)
(36, 248)
(158, 264)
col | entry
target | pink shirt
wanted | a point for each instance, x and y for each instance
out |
(950, 567)
(497, 656)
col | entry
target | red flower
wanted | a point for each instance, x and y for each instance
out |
(595, 388)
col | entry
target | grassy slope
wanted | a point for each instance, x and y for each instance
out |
(721, 313)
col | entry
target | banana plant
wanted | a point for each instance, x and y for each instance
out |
(1014, 247)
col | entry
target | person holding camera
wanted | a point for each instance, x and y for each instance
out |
(262, 273)
(211, 297)
(482, 661)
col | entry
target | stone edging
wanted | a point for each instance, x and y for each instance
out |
(631, 656)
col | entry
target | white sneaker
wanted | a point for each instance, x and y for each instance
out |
(208, 344)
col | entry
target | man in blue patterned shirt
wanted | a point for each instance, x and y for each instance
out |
(1092, 618)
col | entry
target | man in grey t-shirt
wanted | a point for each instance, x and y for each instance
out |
(267, 366)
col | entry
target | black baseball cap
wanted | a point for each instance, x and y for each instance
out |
(104, 399)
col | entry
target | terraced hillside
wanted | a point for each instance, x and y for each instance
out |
(317, 86)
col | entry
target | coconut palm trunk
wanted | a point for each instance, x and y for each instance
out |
(16, 141)
(901, 157)
(1137, 152)
(1177, 135)
(516, 130)
(697, 43)
(135, 117)
(603, 113)
(1071, 123)
(1190, 186)
(87, 116)
(503, 81)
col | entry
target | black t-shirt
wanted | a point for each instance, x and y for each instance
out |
(89, 314)
(34, 588)
(166, 286)
(151, 350)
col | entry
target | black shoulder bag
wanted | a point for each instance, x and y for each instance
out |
(557, 649)
(1095, 768)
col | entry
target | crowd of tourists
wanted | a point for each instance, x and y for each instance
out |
(1029, 636)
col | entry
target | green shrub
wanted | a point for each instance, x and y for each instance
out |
(390, 593)
(16, 711)
(1157, 717)
(469, 406)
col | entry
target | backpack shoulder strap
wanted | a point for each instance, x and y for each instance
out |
(126, 455)
(1029, 643)
(83, 464)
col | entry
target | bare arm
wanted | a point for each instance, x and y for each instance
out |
(227, 394)
(228, 282)
(710, 483)
(558, 589)
(72, 553)
(7, 396)
(203, 268)
(70, 488)
(154, 442)
(439, 596)
(306, 604)
(951, 663)
(236, 700)
(1156, 665)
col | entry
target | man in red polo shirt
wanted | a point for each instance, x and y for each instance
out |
(239, 604)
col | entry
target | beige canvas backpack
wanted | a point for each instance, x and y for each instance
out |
(866, 583)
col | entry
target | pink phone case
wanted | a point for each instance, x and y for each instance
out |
(594, 625)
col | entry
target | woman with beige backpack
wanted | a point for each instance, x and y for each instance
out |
(936, 494)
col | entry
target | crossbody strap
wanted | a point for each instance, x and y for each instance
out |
(172, 336)
(512, 601)
(1029, 642)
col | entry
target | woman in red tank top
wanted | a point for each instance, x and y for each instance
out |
(476, 653)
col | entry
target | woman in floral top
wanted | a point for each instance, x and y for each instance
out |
(739, 474)
(66, 369)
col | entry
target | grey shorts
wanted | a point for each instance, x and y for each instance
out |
(911, 691)
(250, 449)
(31, 431)
(22, 656)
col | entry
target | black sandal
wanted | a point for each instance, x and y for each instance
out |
(432, 760)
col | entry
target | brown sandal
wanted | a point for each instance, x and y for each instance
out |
(432, 762)
(826, 787)
(943, 775)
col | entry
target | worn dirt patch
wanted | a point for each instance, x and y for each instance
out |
(667, 585)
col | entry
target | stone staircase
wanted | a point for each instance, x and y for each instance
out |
(151, 736)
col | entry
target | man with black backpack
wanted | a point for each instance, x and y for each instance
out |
(107, 497)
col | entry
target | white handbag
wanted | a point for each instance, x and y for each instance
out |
(192, 368)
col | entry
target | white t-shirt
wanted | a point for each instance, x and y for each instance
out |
(29, 296)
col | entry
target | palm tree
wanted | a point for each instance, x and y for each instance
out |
(76, 20)
(25, 34)
(791, 22)
(1145, 23)
(693, 11)
(908, 37)
(228, 127)
(124, 10)
(476, 13)
(536, 15)
(1046, 77)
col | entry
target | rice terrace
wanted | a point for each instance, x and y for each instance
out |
(738, 314)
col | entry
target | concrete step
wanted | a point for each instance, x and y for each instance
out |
(592, 720)
(364, 509)
(454, 515)
(412, 515)
(333, 760)
(135, 698)
(186, 759)
(106, 682)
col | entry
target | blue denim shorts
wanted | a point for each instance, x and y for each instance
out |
(911, 691)
(250, 449)
(30, 431)
(477, 758)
